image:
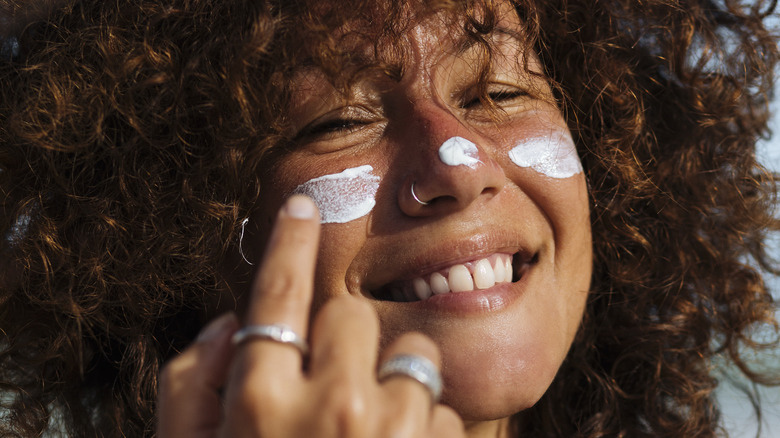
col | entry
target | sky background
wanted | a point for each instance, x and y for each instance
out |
(739, 418)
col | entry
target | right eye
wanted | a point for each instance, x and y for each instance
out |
(343, 121)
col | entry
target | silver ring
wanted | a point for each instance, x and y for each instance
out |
(414, 195)
(416, 367)
(272, 332)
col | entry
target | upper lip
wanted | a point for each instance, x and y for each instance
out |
(436, 256)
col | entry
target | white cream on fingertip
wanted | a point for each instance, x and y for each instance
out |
(457, 151)
(343, 197)
(553, 155)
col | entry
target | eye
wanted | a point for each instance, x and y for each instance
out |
(506, 95)
(501, 95)
(340, 122)
(331, 127)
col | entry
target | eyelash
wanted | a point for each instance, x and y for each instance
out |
(347, 125)
(331, 126)
(503, 95)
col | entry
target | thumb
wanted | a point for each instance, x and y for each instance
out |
(188, 401)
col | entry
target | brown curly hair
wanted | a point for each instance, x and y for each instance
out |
(132, 133)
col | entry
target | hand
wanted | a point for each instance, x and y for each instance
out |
(267, 391)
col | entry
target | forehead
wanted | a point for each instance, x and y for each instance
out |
(361, 58)
(391, 36)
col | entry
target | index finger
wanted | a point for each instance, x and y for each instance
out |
(282, 288)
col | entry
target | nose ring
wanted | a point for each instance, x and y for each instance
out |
(414, 195)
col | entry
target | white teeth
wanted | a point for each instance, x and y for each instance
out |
(499, 272)
(421, 289)
(484, 277)
(460, 279)
(439, 284)
(481, 274)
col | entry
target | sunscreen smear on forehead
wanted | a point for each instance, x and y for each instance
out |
(552, 155)
(458, 151)
(343, 197)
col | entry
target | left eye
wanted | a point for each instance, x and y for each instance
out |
(333, 126)
(504, 95)
(501, 96)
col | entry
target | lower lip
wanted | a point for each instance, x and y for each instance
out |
(475, 302)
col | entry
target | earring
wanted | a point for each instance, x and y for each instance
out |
(241, 241)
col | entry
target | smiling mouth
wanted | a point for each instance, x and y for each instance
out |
(477, 275)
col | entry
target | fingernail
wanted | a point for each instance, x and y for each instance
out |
(217, 327)
(300, 207)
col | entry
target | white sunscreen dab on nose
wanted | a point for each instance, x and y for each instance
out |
(553, 155)
(458, 151)
(343, 197)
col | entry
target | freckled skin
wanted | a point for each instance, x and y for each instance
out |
(553, 155)
(344, 196)
(500, 359)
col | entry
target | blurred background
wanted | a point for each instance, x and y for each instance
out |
(738, 414)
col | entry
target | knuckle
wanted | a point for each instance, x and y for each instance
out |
(418, 343)
(284, 288)
(395, 426)
(277, 284)
(165, 381)
(257, 390)
(247, 403)
(296, 234)
(446, 422)
(347, 411)
(173, 374)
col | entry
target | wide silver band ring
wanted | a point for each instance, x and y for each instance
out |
(414, 195)
(272, 332)
(416, 367)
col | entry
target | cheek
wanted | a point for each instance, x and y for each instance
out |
(340, 245)
(343, 197)
(569, 214)
(552, 155)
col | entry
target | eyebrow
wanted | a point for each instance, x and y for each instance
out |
(465, 43)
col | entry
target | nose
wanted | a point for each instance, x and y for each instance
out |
(450, 167)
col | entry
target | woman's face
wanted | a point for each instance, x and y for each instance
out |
(501, 186)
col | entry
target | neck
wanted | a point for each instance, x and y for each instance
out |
(488, 429)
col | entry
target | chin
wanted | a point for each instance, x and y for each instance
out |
(493, 383)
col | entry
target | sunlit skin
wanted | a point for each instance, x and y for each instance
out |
(500, 347)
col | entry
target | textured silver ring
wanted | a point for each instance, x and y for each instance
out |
(272, 332)
(416, 367)
(414, 195)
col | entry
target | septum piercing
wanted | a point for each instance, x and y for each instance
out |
(241, 241)
(414, 195)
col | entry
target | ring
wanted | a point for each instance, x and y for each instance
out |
(416, 367)
(414, 195)
(272, 332)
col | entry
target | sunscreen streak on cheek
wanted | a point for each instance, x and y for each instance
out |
(458, 151)
(553, 155)
(343, 197)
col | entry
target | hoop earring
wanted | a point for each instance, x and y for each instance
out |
(241, 241)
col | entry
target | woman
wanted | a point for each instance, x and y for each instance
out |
(594, 153)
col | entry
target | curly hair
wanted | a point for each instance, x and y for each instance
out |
(132, 134)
